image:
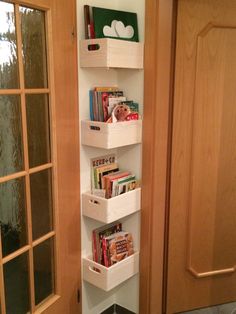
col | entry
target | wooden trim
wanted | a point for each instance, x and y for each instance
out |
(41, 307)
(26, 91)
(211, 273)
(2, 290)
(13, 176)
(52, 113)
(156, 140)
(10, 91)
(40, 168)
(28, 3)
(26, 158)
(44, 238)
(37, 91)
(15, 254)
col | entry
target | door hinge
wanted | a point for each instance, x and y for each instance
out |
(78, 296)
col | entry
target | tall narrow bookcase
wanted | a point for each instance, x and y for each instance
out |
(116, 63)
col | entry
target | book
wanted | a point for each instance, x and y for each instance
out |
(98, 162)
(86, 21)
(117, 247)
(112, 101)
(98, 235)
(100, 108)
(103, 170)
(120, 186)
(89, 25)
(115, 24)
(108, 181)
(125, 111)
(125, 187)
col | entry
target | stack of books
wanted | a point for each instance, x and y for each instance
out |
(108, 104)
(108, 180)
(111, 245)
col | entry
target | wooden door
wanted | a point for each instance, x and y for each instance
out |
(39, 158)
(202, 232)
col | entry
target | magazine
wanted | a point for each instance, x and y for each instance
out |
(98, 235)
(117, 247)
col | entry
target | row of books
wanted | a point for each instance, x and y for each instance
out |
(110, 244)
(108, 104)
(108, 180)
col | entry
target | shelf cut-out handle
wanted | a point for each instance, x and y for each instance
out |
(94, 128)
(95, 270)
(93, 47)
(94, 202)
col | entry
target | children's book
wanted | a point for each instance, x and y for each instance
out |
(98, 235)
(99, 162)
(109, 181)
(117, 247)
(120, 185)
(125, 111)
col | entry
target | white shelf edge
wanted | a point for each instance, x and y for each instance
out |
(111, 53)
(109, 278)
(111, 135)
(109, 210)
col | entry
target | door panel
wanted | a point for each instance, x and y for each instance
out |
(202, 233)
(39, 165)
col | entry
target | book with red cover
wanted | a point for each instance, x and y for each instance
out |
(98, 235)
(117, 247)
(111, 177)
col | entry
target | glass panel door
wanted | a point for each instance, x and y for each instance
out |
(27, 203)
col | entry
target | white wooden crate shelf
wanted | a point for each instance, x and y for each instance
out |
(111, 135)
(109, 210)
(108, 278)
(111, 53)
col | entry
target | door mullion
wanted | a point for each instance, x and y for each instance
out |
(2, 290)
(26, 159)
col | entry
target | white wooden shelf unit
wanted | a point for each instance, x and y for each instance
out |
(108, 278)
(111, 135)
(111, 53)
(107, 52)
(109, 210)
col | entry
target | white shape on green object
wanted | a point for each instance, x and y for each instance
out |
(110, 30)
(122, 31)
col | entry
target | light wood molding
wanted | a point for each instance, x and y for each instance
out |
(202, 204)
(64, 136)
(156, 133)
(211, 273)
(210, 192)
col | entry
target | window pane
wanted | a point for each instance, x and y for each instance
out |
(41, 203)
(16, 279)
(43, 270)
(34, 47)
(38, 129)
(8, 49)
(13, 215)
(11, 150)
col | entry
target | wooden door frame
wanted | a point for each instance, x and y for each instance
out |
(65, 52)
(158, 95)
(63, 58)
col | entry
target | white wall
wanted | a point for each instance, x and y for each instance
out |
(95, 300)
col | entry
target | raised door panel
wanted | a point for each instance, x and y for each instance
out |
(202, 236)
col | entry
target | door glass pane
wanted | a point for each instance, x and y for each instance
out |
(11, 150)
(8, 49)
(13, 215)
(38, 129)
(43, 270)
(34, 47)
(16, 279)
(41, 203)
